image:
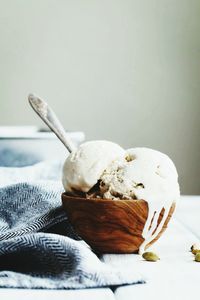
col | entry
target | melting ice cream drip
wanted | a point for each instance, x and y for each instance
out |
(151, 228)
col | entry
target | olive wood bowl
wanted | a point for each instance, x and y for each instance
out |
(110, 226)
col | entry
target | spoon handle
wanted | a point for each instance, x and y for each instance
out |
(51, 120)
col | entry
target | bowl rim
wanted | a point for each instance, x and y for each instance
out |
(69, 197)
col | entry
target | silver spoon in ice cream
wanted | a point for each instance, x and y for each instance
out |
(51, 120)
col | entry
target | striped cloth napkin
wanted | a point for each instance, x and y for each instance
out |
(38, 247)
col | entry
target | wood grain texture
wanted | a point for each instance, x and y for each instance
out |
(110, 226)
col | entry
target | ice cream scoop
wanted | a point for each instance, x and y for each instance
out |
(84, 167)
(141, 173)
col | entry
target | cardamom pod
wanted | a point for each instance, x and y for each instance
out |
(195, 248)
(197, 257)
(150, 256)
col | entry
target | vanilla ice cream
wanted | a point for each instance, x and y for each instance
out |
(140, 173)
(84, 166)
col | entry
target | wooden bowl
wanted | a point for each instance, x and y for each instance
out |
(110, 226)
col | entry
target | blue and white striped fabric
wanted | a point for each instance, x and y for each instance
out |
(38, 247)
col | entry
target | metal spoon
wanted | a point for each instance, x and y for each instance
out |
(51, 120)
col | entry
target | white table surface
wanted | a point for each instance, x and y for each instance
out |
(176, 276)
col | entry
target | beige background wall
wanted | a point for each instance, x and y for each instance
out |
(128, 71)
